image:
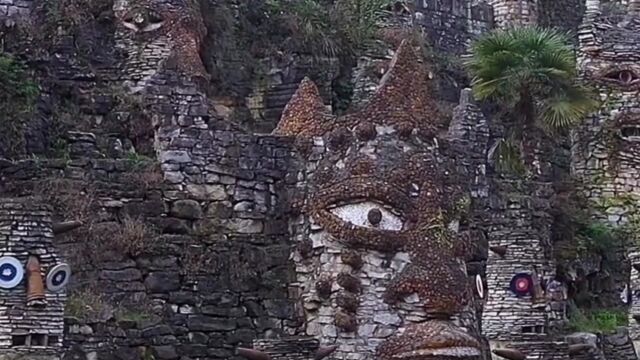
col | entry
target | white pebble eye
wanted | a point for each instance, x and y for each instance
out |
(369, 214)
(58, 277)
(11, 272)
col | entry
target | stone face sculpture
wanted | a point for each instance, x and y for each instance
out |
(607, 144)
(380, 268)
(32, 282)
(157, 34)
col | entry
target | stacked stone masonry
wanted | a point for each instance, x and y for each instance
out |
(604, 151)
(263, 216)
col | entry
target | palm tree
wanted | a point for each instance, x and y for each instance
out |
(531, 74)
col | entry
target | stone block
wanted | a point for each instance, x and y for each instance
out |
(186, 209)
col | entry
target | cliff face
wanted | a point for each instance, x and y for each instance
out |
(148, 123)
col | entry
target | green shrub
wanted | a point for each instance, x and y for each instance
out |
(596, 321)
(18, 94)
(325, 28)
(599, 238)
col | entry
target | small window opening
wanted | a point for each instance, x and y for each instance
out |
(38, 340)
(528, 329)
(19, 340)
(631, 133)
(53, 341)
(540, 329)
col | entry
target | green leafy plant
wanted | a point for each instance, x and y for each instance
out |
(597, 321)
(531, 74)
(599, 238)
(331, 29)
(18, 93)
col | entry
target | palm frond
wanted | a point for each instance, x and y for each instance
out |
(530, 65)
(567, 108)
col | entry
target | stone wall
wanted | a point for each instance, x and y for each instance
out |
(519, 243)
(11, 10)
(27, 330)
(515, 13)
(605, 151)
(214, 272)
(450, 24)
(273, 90)
(565, 15)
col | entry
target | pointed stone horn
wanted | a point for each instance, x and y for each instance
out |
(63, 227)
(510, 354)
(579, 348)
(500, 250)
(324, 351)
(252, 354)
(303, 113)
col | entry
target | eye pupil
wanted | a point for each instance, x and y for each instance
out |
(625, 77)
(374, 216)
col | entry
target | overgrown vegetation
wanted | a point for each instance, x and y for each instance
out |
(70, 17)
(531, 74)
(597, 321)
(129, 237)
(71, 199)
(328, 28)
(18, 94)
(84, 303)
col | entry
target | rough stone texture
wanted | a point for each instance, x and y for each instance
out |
(618, 345)
(294, 348)
(594, 352)
(12, 10)
(407, 270)
(604, 151)
(25, 230)
(563, 14)
(509, 13)
(220, 274)
(449, 25)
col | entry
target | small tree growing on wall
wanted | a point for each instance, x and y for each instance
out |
(531, 74)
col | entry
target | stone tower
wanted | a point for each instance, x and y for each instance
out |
(523, 308)
(507, 13)
(606, 148)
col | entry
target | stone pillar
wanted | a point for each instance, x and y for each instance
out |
(468, 136)
(28, 332)
(509, 13)
(520, 247)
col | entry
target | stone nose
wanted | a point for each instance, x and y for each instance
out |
(35, 285)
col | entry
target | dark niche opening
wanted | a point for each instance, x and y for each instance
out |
(630, 133)
(19, 340)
